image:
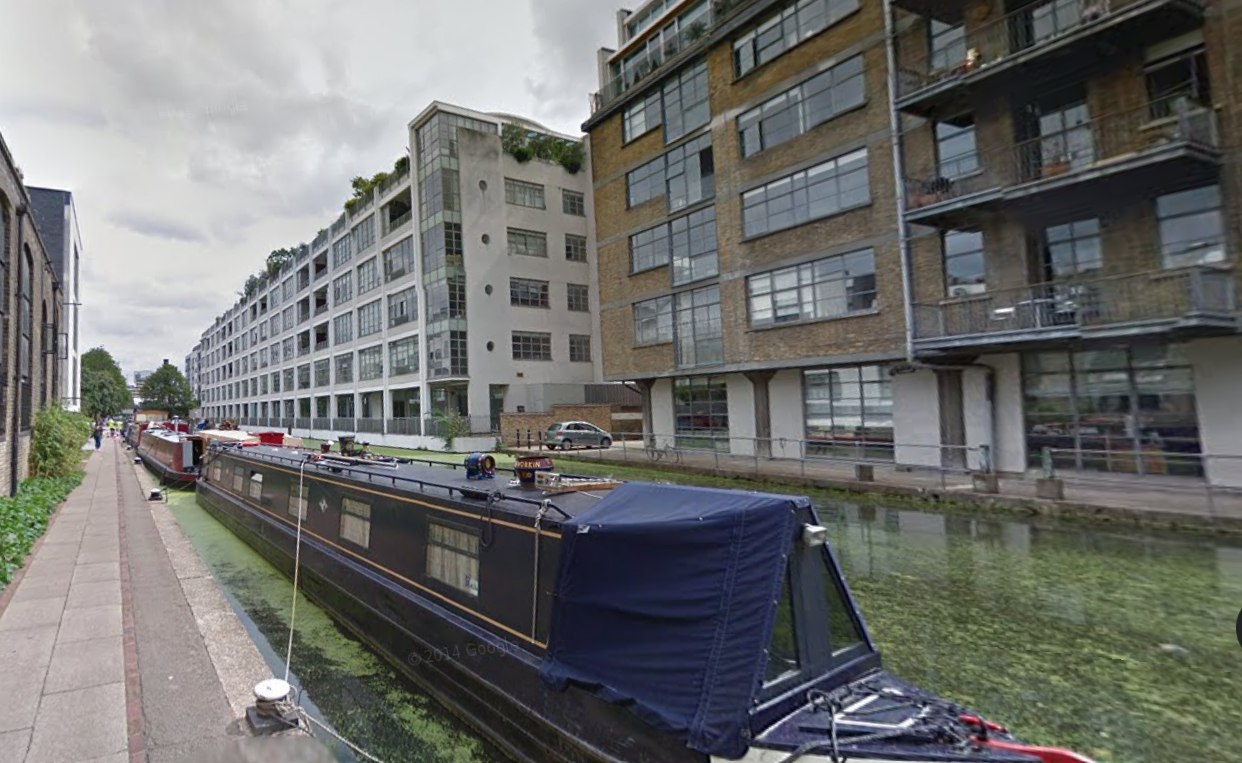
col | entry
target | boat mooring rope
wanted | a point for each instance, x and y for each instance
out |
(281, 708)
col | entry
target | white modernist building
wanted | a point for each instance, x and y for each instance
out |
(464, 282)
(57, 220)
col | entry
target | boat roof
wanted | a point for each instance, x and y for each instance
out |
(168, 434)
(427, 477)
(227, 434)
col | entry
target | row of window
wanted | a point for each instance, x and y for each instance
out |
(830, 287)
(536, 345)
(533, 243)
(529, 292)
(452, 553)
(524, 194)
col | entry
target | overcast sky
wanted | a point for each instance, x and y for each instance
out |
(198, 136)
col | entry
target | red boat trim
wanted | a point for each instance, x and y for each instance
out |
(1045, 754)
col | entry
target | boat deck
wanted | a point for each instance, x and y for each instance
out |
(432, 478)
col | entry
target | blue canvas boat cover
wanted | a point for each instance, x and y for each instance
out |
(665, 601)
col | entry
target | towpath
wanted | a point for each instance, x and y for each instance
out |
(116, 644)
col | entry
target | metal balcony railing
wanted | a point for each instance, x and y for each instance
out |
(301, 423)
(321, 423)
(392, 181)
(303, 349)
(341, 424)
(323, 345)
(1199, 296)
(1016, 38)
(390, 226)
(320, 310)
(370, 426)
(1106, 145)
(411, 426)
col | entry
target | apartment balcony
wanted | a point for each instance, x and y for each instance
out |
(1041, 42)
(1188, 302)
(320, 346)
(1132, 155)
(392, 182)
(343, 424)
(304, 350)
(321, 423)
(408, 426)
(320, 310)
(301, 423)
(391, 226)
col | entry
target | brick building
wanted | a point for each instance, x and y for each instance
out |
(31, 321)
(1039, 260)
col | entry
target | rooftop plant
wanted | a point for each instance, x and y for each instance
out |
(524, 145)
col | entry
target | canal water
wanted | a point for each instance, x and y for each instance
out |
(1120, 645)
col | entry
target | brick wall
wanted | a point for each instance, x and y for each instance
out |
(42, 297)
(511, 424)
(871, 226)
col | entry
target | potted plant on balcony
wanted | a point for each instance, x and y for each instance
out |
(932, 191)
(1056, 164)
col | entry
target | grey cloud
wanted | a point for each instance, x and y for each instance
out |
(43, 110)
(569, 32)
(157, 227)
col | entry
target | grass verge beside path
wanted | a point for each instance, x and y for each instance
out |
(24, 518)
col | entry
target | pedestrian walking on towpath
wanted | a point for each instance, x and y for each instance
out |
(98, 435)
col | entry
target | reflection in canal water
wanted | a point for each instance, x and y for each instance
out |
(1119, 645)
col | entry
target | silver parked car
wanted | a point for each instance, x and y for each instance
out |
(576, 434)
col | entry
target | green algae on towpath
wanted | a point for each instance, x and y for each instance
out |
(357, 692)
(1117, 644)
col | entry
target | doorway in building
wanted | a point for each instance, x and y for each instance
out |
(496, 396)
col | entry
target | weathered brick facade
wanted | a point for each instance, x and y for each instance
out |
(30, 324)
(515, 428)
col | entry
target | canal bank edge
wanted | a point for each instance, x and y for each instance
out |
(948, 500)
(238, 664)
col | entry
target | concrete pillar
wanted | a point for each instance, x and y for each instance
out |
(763, 411)
(644, 389)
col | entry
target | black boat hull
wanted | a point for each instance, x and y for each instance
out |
(492, 684)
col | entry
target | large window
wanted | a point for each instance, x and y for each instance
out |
(289, 288)
(1118, 410)
(701, 412)
(956, 152)
(947, 45)
(403, 356)
(649, 249)
(356, 522)
(693, 245)
(290, 317)
(399, 259)
(255, 488)
(453, 557)
(641, 117)
(573, 203)
(1180, 78)
(786, 28)
(343, 289)
(323, 373)
(528, 242)
(849, 411)
(1192, 229)
(523, 194)
(698, 329)
(371, 318)
(653, 321)
(402, 307)
(685, 101)
(575, 248)
(1073, 249)
(364, 234)
(371, 363)
(830, 287)
(830, 188)
(368, 276)
(344, 368)
(801, 108)
(342, 329)
(645, 183)
(531, 345)
(578, 297)
(963, 263)
(690, 173)
(527, 292)
(342, 251)
(298, 494)
(579, 348)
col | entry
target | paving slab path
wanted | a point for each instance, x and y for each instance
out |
(116, 644)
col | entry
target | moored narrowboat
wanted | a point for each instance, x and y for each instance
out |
(175, 456)
(581, 620)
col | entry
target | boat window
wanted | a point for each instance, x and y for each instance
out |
(356, 522)
(453, 557)
(216, 471)
(256, 486)
(783, 646)
(843, 631)
(239, 479)
(297, 503)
